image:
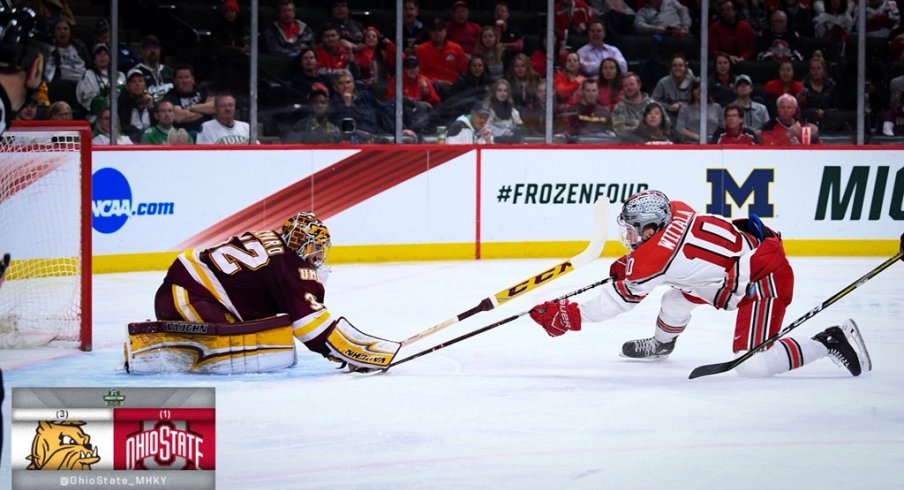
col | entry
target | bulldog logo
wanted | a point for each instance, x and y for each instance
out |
(62, 446)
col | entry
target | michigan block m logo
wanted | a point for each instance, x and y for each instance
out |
(723, 185)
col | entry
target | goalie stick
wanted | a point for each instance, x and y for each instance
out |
(723, 367)
(490, 326)
(591, 253)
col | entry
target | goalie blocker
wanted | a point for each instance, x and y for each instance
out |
(247, 347)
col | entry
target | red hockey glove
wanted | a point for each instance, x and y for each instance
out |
(767, 258)
(557, 317)
(617, 269)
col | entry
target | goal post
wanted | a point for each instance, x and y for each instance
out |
(45, 225)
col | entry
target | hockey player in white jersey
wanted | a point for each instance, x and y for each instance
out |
(21, 59)
(706, 259)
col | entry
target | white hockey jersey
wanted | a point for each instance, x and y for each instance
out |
(701, 255)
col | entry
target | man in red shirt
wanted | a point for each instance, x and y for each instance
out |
(572, 16)
(786, 128)
(731, 36)
(441, 60)
(588, 117)
(332, 55)
(419, 96)
(460, 29)
(734, 132)
(415, 87)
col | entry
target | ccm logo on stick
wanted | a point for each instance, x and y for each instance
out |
(540, 279)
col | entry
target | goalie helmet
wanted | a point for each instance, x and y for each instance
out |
(642, 210)
(308, 237)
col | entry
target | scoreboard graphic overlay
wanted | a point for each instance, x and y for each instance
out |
(77, 438)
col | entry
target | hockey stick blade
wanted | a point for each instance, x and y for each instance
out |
(723, 367)
(598, 237)
(490, 326)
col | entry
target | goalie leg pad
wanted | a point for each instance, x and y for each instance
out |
(174, 302)
(358, 349)
(210, 348)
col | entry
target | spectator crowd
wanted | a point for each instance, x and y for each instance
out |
(782, 72)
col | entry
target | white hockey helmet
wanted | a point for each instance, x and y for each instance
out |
(642, 210)
(308, 237)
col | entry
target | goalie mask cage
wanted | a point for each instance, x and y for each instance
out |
(45, 225)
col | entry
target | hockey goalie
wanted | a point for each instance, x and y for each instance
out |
(238, 307)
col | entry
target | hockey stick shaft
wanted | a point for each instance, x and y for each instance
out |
(491, 326)
(591, 253)
(722, 367)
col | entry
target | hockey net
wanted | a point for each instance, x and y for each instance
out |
(45, 225)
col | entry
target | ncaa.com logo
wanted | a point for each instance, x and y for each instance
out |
(112, 203)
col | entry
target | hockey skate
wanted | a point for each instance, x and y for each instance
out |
(846, 347)
(649, 348)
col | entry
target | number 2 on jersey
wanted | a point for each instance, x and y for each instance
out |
(230, 258)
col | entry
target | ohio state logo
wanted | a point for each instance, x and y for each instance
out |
(165, 445)
(164, 439)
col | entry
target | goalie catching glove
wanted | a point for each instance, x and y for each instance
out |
(557, 317)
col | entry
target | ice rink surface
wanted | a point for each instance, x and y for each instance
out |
(514, 408)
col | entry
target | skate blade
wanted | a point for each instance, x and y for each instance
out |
(853, 333)
(654, 357)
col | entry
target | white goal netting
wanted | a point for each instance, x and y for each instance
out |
(40, 227)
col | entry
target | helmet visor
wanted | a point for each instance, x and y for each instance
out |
(315, 251)
(631, 237)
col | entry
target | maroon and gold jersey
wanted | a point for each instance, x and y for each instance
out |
(245, 278)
